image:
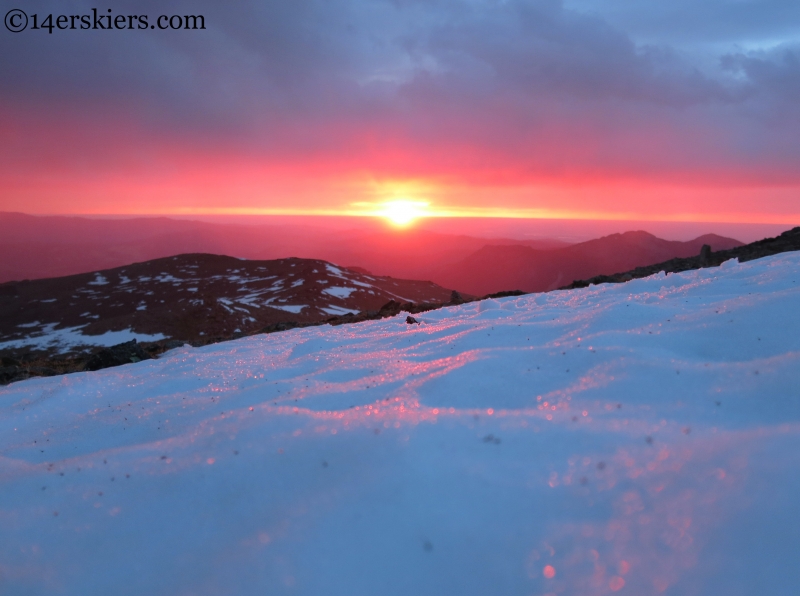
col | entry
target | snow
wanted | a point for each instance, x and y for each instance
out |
(333, 270)
(99, 280)
(339, 291)
(166, 278)
(69, 338)
(337, 311)
(292, 308)
(641, 438)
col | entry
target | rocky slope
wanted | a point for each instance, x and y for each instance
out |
(191, 298)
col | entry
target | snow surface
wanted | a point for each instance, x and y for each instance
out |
(338, 311)
(292, 308)
(99, 280)
(339, 291)
(69, 338)
(639, 438)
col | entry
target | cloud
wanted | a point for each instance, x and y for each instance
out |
(488, 91)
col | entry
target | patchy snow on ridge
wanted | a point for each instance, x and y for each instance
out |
(181, 296)
(339, 291)
(99, 280)
(292, 308)
(639, 438)
(68, 338)
(338, 311)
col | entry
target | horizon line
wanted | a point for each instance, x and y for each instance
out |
(508, 214)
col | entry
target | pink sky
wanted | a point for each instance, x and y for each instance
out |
(526, 109)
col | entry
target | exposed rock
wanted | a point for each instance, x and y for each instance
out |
(9, 374)
(280, 326)
(124, 353)
(705, 255)
(390, 309)
(505, 294)
(173, 344)
(456, 298)
(42, 371)
(411, 320)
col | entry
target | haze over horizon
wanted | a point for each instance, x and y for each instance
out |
(519, 228)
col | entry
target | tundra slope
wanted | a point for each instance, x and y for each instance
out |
(189, 298)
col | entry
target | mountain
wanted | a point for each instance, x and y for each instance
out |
(189, 298)
(631, 439)
(495, 268)
(35, 247)
(786, 242)
(413, 254)
(54, 246)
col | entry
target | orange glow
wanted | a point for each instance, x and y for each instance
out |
(170, 175)
(549, 571)
(402, 213)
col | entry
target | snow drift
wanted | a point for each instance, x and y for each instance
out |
(640, 438)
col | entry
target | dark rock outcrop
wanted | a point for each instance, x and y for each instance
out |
(9, 374)
(505, 294)
(705, 255)
(118, 355)
(456, 298)
(280, 326)
(390, 309)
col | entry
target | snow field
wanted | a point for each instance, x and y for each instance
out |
(640, 438)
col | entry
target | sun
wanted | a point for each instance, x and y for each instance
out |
(402, 213)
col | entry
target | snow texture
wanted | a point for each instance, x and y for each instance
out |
(99, 280)
(640, 438)
(338, 311)
(292, 308)
(339, 291)
(68, 338)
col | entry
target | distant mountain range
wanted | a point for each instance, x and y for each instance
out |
(190, 297)
(525, 268)
(35, 247)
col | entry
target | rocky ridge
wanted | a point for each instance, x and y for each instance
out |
(788, 241)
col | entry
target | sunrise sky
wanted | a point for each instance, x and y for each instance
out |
(591, 109)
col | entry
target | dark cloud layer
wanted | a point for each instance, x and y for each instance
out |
(499, 89)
